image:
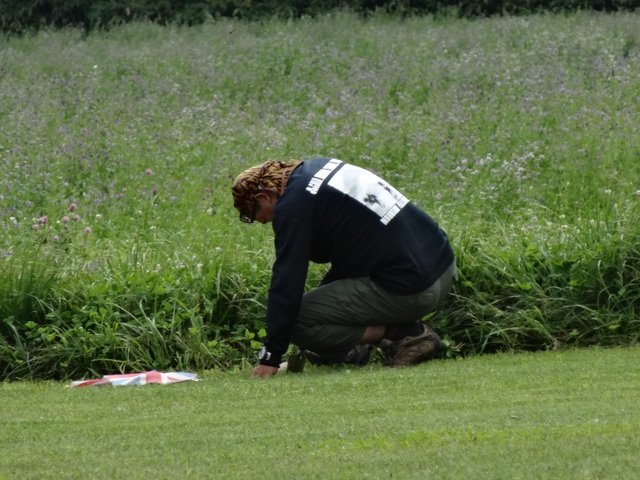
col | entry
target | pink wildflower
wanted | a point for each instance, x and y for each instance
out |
(72, 207)
(148, 171)
(87, 230)
(76, 218)
(66, 219)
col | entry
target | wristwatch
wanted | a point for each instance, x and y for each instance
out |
(264, 354)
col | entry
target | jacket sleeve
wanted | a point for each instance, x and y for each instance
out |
(292, 245)
(329, 277)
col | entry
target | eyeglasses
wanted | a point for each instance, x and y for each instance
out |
(251, 216)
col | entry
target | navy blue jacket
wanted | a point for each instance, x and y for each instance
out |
(334, 212)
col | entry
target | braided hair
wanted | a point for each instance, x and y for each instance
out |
(270, 176)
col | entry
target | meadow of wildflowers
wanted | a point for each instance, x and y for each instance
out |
(119, 246)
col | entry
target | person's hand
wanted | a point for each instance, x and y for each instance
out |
(264, 371)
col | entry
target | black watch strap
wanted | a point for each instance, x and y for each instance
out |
(267, 358)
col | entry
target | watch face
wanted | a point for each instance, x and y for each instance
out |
(264, 354)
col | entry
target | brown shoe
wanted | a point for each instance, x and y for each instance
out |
(411, 351)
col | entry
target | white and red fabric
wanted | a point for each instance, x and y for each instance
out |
(144, 378)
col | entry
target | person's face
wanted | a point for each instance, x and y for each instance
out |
(265, 204)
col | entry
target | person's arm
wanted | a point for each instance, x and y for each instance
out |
(293, 244)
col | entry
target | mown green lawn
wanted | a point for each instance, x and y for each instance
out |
(570, 414)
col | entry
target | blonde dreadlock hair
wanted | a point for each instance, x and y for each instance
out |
(272, 176)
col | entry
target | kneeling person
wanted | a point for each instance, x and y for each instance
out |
(391, 264)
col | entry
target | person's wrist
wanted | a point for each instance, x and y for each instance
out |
(265, 357)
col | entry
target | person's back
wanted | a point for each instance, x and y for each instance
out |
(361, 225)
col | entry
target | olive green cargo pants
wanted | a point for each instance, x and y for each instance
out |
(333, 317)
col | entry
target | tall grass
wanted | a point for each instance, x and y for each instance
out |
(121, 250)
